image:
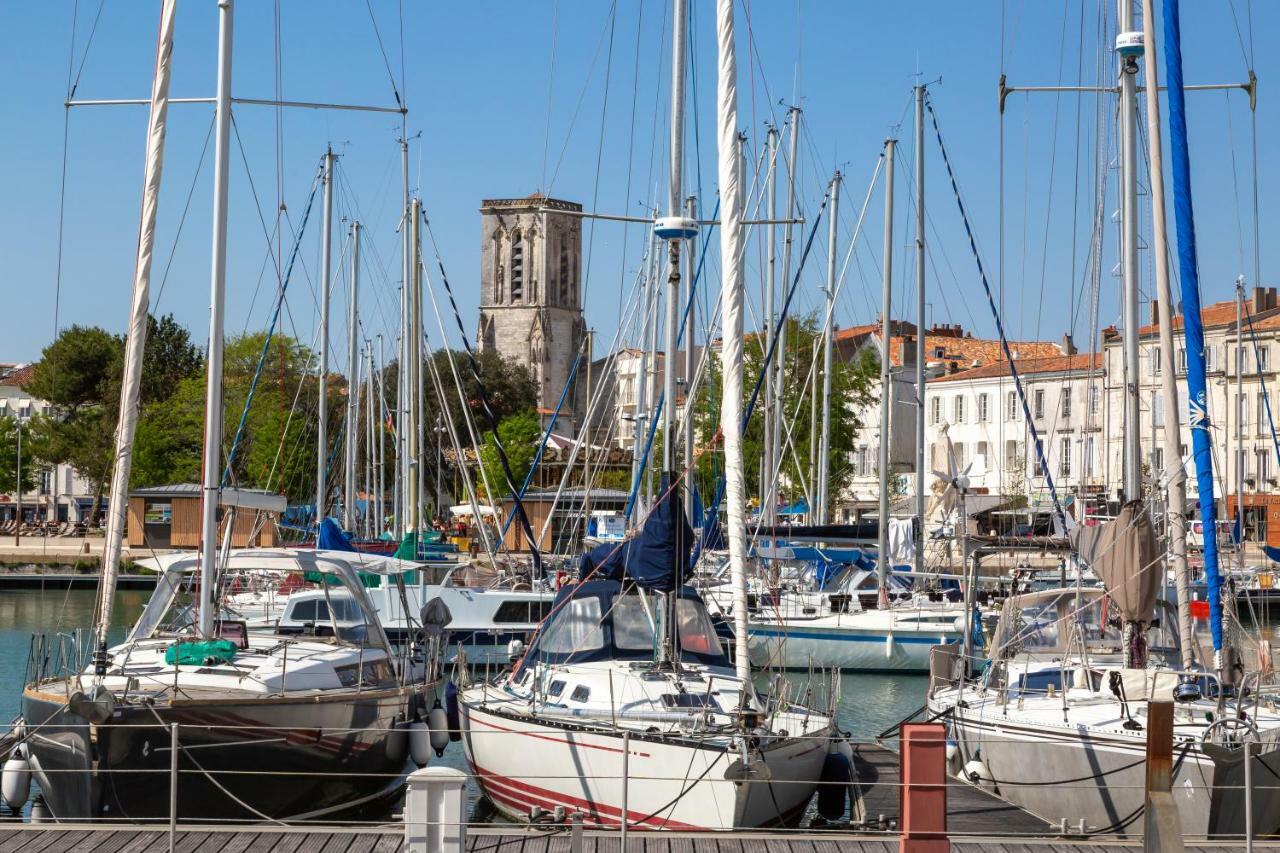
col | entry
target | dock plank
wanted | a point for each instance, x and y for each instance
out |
(18, 839)
(389, 843)
(363, 842)
(227, 842)
(141, 840)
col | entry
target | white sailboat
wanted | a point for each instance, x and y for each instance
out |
(625, 707)
(329, 711)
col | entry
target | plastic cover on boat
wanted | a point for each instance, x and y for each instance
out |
(1125, 554)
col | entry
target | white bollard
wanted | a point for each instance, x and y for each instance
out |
(435, 811)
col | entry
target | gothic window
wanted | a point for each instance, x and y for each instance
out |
(564, 270)
(517, 267)
(498, 269)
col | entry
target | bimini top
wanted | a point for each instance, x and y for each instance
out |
(609, 620)
(345, 567)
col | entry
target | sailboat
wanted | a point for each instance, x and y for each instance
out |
(328, 710)
(625, 706)
(1057, 722)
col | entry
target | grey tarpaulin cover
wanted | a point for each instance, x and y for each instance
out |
(1128, 558)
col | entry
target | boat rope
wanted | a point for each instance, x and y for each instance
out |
(1041, 460)
(271, 331)
(487, 407)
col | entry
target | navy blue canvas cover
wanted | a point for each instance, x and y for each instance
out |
(657, 559)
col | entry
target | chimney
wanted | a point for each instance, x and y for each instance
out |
(1068, 346)
(1264, 299)
(1155, 312)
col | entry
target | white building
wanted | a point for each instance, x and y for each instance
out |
(60, 493)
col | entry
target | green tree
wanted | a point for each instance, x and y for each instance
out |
(9, 434)
(853, 384)
(520, 434)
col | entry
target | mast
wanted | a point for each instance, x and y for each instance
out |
(886, 376)
(1241, 411)
(353, 385)
(1201, 438)
(1128, 70)
(828, 335)
(413, 372)
(381, 439)
(322, 403)
(691, 211)
(135, 341)
(920, 331)
(217, 300)
(370, 454)
(1176, 488)
(768, 499)
(780, 369)
(731, 299)
(402, 370)
(643, 401)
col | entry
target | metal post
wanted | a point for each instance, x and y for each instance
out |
(17, 486)
(1129, 260)
(1242, 409)
(173, 784)
(402, 371)
(413, 371)
(1162, 830)
(886, 376)
(1248, 796)
(353, 386)
(921, 474)
(626, 784)
(372, 530)
(218, 286)
(828, 345)
(381, 437)
(322, 403)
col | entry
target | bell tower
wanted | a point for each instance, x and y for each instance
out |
(531, 294)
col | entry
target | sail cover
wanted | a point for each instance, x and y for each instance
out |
(657, 558)
(1129, 559)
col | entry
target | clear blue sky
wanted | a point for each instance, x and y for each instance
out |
(478, 77)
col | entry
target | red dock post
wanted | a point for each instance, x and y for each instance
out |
(924, 789)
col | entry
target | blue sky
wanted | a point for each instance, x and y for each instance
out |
(479, 78)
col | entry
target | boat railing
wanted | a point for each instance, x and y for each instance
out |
(877, 785)
(56, 656)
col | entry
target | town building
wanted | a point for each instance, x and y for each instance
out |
(60, 494)
(531, 295)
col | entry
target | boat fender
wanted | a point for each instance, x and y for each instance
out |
(833, 789)
(1080, 678)
(40, 811)
(451, 711)
(16, 782)
(977, 773)
(438, 723)
(888, 645)
(844, 748)
(419, 742)
(953, 753)
(958, 624)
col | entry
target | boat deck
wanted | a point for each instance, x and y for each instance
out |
(91, 839)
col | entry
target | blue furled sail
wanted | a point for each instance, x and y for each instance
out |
(657, 558)
(332, 538)
(1197, 399)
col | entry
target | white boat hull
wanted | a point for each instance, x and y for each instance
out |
(670, 783)
(1098, 776)
(844, 647)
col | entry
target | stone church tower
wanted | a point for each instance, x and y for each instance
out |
(531, 295)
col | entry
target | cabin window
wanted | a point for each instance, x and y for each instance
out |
(303, 611)
(555, 689)
(576, 628)
(697, 633)
(688, 700)
(632, 624)
(581, 693)
(517, 612)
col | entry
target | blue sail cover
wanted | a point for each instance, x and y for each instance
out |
(332, 538)
(657, 559)
(1189, 268)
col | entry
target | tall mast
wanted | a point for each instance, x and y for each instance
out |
(1241, 412)
(886, 375)
(413, 370)
(780, 336)
(920, 332)
(326, 284)
(768, 499)
(691, 211)
(217, 300)
(1128, 69)
(731, 299)
(828, 345)
(402, 369)
(381, 440)
(353, 385)
(370, 419)
(135, 341)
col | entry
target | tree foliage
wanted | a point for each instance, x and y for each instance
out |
(9, 471)
(853, 384)
(520, 434)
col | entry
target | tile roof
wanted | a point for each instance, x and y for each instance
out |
(968, 350)
(1079, 363)
(1213, 316)
(19, 376)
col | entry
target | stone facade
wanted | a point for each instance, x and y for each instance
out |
(531, 294)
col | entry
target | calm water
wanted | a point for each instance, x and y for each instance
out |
(868, 703)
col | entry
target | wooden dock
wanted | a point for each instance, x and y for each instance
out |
(117, 839)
